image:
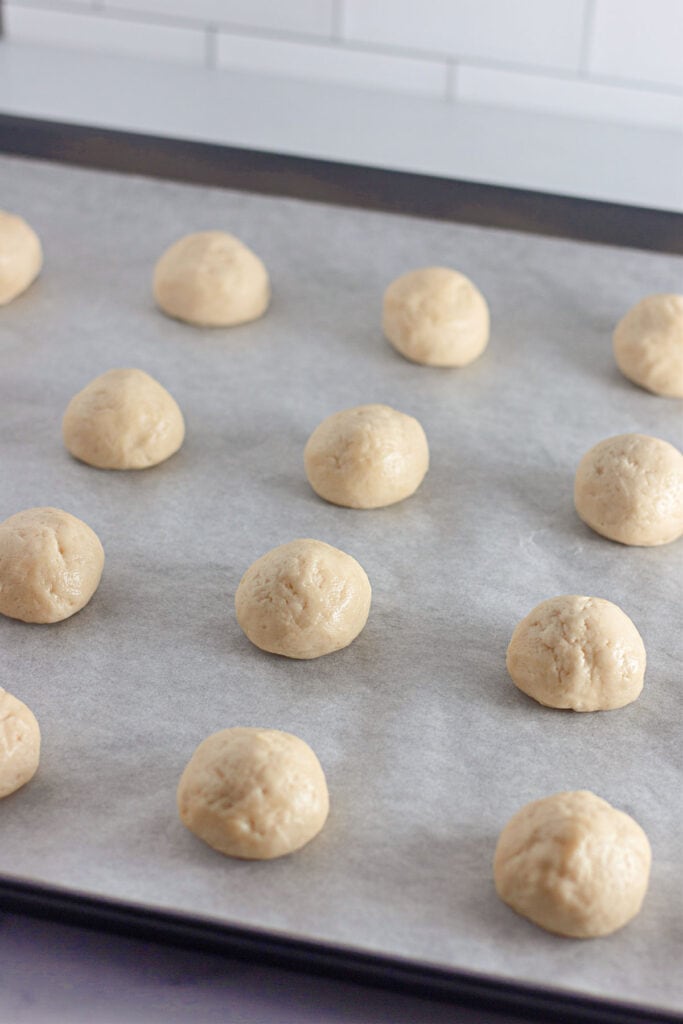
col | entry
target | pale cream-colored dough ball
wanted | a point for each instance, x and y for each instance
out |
(573, 864)
(123, 419)
(21, 256)
(436, 316)
(366, 457)
(211, 279)
(630, 488)
(574, 652)
(19, 744)
(303, 599)
(648, 344)
(253, 793)
(50, 565)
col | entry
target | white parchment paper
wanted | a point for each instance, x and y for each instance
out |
(427, 745)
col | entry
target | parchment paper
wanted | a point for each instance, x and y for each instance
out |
(427, 745)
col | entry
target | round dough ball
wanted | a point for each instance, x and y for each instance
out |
(123, 419)
(437, 317)
(648, 344)
(253, 793)
(303, 599)
(19, 744)
(212, 280)
(366, 457)
(21, 256)
(50, 565)
(573, 864)
(581, 653)
(630, 488)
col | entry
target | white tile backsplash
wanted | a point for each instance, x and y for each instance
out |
(610, 60)
(333, 64)
(545, 33)
(109, 35)
(638, 40)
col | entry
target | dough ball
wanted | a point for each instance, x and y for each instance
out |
(123, 419)
(21, 256)
(648, 344)
(212, 280)
(630, 488)
(581, 653)
(303, 599)
(437, 317)
(19, 744)
(366, 457)
(573, 864)
(50, 565)
(253, 793)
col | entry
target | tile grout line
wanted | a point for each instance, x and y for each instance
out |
(587, 28)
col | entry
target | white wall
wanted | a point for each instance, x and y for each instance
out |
(612, 60)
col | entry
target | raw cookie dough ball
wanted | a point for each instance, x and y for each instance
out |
(19, 744)
(648, 344)
(366, 457)
(303, 599)
(581, 653)
(630, 488)
(436, 316)
(123, 419)
(573, 864)
(21, 256)
(253, 793)
(50, 565)
(212, 280)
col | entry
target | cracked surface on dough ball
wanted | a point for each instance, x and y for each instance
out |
(123, 419)
(648, 344)
(366, 457)
(50, 565)
(253, 793)
(573, 864)
(582, 653)
(19, 744)
(436, 316)
(211, 279)
(303, 599)
(629, 488)
(21, 256)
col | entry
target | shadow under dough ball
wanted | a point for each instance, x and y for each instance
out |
(629, 488)
(303, 599)
(50, 565)
(211, 279)
(253, 793)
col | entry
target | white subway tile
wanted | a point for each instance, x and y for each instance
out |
(109, 35)
(569, 96)
(545, 33)
(310, 17)
(332, 64)
(639, 40)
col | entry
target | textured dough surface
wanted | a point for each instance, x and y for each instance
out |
(303, 599)
(19, 744)
(582, 653)
(630, 488)
(366, 457)
(648, 344)
(21, 256)
(123, 419)
(211, 279)
(253, 793)
(573, 864)
(436, 316)
(50, 565)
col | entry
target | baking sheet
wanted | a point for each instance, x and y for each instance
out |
(427, 745)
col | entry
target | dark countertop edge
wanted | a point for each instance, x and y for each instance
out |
(372, 188)
(458, 987)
